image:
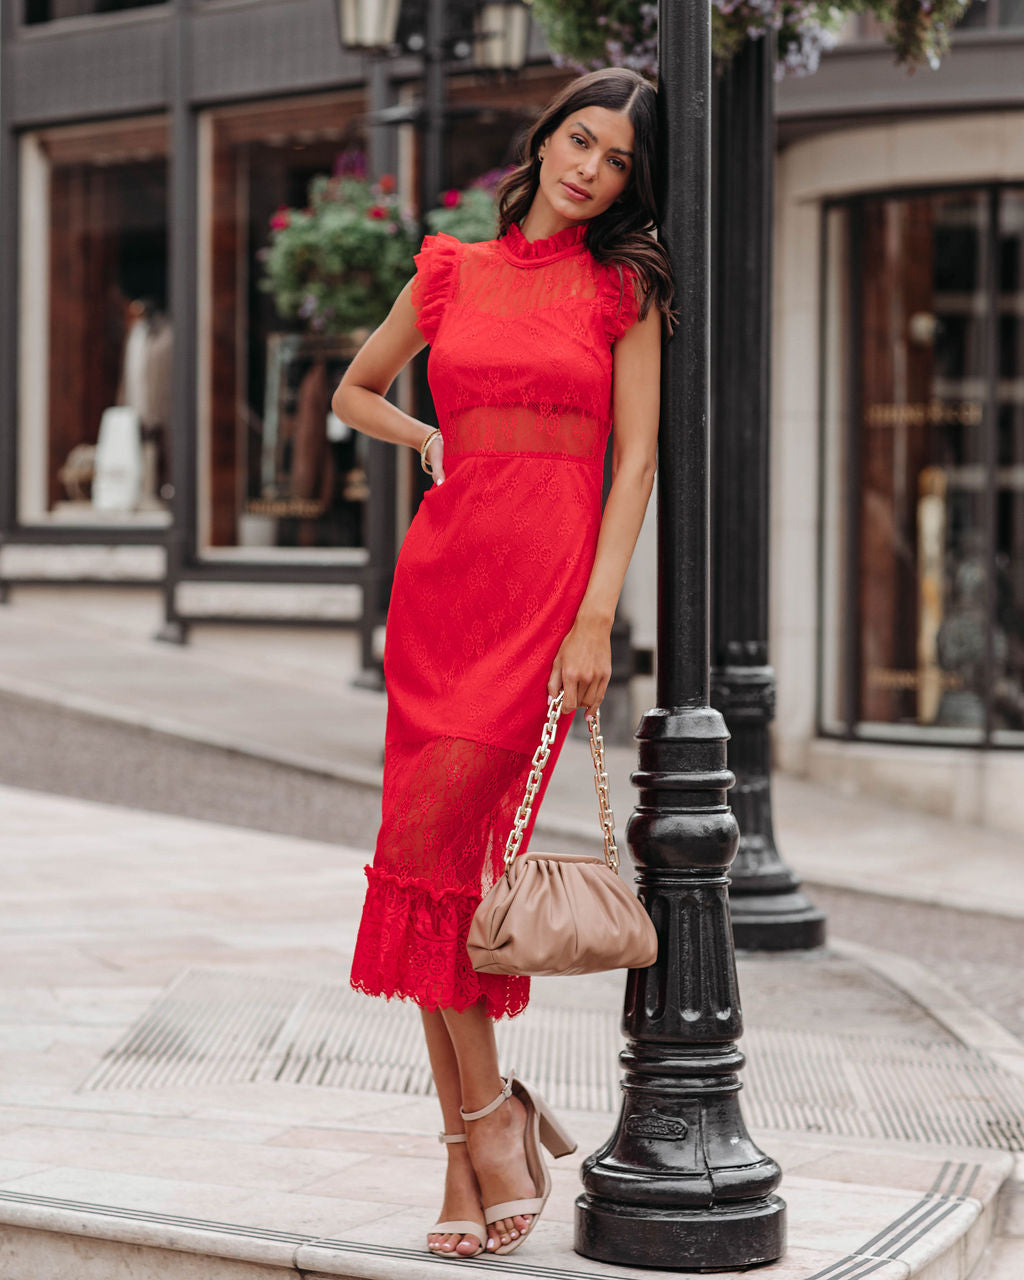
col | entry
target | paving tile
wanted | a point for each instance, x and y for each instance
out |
(386, 1179)
(28, 1038)
(12, 1170)
(841, 1216)
(139, 1195)
(141, 1122)
(909, 1170)
(366, 1141)
(179, 1159)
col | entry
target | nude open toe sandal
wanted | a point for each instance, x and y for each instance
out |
(541, 1127)
(460, 1225)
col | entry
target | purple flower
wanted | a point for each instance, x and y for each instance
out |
(350, 164)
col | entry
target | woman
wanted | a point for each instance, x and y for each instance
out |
(542, 341)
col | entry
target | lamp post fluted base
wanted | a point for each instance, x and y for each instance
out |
(680, 1183)
(716, 1239)
(769, 911)
(776, 922)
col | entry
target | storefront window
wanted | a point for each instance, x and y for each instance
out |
(281, 470)
(277, 470)
(54, 10)
(96, 336)
(923, 589)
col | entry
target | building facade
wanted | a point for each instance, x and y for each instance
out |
(898, 423)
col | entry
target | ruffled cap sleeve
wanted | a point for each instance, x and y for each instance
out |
(618, 301)
(437, 270)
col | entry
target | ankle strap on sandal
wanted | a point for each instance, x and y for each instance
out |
(451, 1137)
(493, 1105)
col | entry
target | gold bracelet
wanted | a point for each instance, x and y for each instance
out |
(423, 451)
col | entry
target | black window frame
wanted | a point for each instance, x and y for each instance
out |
(129, 12)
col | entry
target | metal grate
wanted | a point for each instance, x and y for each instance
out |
(213, 1026)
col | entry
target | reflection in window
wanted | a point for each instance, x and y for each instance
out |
(921, 540)
(937, 603)
(54, 10)
(283, 471)
(101, 271)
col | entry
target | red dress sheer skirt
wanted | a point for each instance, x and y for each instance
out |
(487, 585)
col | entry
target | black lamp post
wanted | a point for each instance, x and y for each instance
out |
(768, 910)
(680, 1184)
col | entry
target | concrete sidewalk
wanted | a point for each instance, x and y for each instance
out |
(189, 1089)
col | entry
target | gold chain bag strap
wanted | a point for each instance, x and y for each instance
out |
(561, 913)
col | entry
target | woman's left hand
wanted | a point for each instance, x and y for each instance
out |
(583, 665)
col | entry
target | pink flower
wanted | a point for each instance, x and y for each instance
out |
(387, 183)
(377, 211)
(281, 218)
(450, 199)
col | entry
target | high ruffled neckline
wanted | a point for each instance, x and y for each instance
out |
(518, 249)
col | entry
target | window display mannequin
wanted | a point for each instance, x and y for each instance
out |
(146, 388)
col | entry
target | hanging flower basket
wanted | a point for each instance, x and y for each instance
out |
(587, 34)
(469, 215)
(338, 264)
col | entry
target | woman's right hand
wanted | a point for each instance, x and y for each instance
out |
(435, 458)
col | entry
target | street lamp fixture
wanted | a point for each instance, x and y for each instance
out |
(370, 26)
(496, 32)
(502, 35)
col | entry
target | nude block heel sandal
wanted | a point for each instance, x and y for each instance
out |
(460, 1226)
(541, 1128)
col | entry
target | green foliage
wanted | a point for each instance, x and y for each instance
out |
(919, 31)
(467, 215)
(587, 34)
(339, 263)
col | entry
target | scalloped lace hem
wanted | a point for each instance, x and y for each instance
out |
(411, 945)
(494, 1009)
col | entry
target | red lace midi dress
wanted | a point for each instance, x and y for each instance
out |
(490, 577)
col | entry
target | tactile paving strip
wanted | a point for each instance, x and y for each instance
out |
(214, 1026)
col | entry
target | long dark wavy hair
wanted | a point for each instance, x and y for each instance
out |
(622, 234)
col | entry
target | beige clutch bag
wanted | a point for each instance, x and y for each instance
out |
(561, 913)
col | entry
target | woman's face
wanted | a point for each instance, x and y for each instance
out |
(587, 162)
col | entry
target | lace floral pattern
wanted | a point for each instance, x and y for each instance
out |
(490, 577)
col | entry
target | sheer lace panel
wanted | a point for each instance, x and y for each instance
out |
(504, 290)
(441, 846)
(545, 428)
